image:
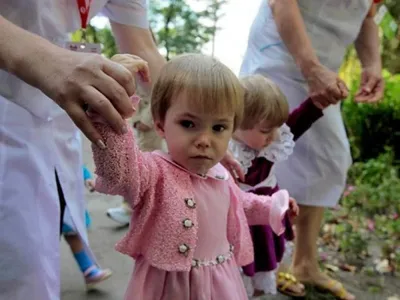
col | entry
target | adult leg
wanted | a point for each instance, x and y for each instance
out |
(305, 259)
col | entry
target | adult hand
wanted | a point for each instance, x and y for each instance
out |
(371, 85)
(233, 166)
(325, 87)
(77, 80)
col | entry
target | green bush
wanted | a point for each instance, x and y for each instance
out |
(371, 203)
(373, 127)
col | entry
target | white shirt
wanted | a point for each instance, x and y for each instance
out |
(53, 20)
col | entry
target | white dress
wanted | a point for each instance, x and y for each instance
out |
(316, 172)
(36, 138)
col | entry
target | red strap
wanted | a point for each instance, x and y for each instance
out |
(83, 11)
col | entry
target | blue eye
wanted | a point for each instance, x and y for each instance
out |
(186, 124)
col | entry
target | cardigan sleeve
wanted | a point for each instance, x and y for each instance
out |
(302, 118)
(122, 169)
(264, 210)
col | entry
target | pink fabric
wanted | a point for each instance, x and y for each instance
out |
(158, 191)
(212, 217)
(218, 282)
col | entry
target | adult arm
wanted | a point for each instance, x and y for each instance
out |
(367, 47)
(325, 87)
(71, 79)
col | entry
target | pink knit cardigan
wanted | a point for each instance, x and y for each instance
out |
(161, 194)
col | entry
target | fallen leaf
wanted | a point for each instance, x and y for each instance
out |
(370, 225)
(348, 268)
(383, 266)
(331, 268)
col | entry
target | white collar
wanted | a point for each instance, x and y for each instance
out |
(278, 150)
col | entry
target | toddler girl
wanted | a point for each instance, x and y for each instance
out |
(266, 136)
(190, 229)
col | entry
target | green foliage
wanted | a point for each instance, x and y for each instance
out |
(373, 127)
(93, 35)
(177, 26)
(390, 47)
(371, 205)
(180, 29)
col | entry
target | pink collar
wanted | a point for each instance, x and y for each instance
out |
(217, 172)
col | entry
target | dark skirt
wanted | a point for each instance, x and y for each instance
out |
(268, 247)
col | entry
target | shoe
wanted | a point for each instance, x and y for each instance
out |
(120, 215)
(94, 276)
(336, 289)
(285, 284)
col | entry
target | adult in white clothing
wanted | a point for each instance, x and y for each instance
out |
(300, 45)
(43, 89)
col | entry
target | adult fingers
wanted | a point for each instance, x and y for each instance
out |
(377, 91)
(116, 94)
(369, 85)
(83, 122)
(376, 94)
(334, 93)
(102, 106)
(343, 89)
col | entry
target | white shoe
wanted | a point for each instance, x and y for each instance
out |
(120, 215)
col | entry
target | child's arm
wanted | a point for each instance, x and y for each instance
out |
(122, 169)
(302, 118)
(264, 210)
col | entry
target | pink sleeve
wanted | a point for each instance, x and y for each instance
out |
(264, 210)
(121, 168)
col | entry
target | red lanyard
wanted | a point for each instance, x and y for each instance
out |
(83, 11)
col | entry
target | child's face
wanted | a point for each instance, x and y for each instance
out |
(195, 141)
(258, 137)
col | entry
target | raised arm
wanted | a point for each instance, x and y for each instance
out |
(264, 210)
(121, 168)
(302, 118)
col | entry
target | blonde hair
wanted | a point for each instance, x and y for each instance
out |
(209, 86)
(263, 102)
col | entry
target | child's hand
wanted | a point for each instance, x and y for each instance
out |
(293, 210)
(233, 166)
(141, 126)
(89, 183)
(134, 64)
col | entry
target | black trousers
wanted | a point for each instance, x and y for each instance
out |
(62, 201)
